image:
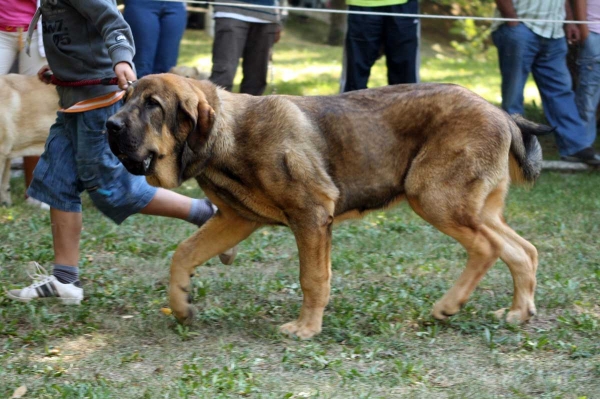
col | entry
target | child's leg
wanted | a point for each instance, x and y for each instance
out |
(55, 182)
(66, 232)
(171, 204)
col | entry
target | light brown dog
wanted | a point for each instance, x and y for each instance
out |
(306, 162)
(27, 110)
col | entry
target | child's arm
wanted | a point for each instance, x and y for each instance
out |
(116, 33)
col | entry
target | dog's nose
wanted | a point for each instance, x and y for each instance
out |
(115, 125)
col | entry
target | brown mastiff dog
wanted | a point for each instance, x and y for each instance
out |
(307, 162)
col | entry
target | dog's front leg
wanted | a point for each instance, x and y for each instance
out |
(221, 232)
(314, 249)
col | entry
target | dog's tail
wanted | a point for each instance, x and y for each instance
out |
(525, 150)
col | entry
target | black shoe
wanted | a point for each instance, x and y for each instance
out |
(587, 155)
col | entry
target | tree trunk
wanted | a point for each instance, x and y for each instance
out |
(337, 26)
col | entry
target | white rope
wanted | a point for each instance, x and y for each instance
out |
(420, 16)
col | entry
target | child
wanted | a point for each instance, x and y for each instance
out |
(87, 40)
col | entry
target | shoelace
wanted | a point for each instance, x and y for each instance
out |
(39, 275)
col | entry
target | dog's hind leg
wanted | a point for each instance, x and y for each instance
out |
(459, 216)
(313, 237)
(5, 181)
(522, 260)
(221, 232)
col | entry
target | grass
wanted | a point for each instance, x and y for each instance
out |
(379, 340)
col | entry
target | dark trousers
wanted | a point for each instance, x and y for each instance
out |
(235, 39)
(368, 34)
(157, 28)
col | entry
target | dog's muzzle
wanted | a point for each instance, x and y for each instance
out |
(127, 149)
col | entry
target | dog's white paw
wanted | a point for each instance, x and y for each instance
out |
(300, 330)
(516, 316)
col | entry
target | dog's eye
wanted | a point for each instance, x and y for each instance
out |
(151, 102)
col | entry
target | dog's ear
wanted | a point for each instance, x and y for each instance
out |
(203, 125)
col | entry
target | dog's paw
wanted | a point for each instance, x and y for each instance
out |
(300, 330)
(442, 311)
(516, 316)
(185, 316)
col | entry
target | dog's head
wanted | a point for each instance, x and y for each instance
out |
(163, 128)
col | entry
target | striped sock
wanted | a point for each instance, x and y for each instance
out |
(201, 211)
(65, 274)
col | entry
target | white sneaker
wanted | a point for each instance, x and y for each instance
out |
(47, 286)
(37, 204)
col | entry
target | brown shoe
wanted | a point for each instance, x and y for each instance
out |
(228, 256)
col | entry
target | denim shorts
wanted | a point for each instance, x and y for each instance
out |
(77, 157)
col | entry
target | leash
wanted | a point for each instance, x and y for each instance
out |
(79, 83)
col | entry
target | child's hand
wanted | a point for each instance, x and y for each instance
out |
(44, 74)
(124, 74)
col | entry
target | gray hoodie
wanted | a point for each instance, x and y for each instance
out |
(85, 39)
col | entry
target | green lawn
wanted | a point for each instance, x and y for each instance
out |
(378, 341)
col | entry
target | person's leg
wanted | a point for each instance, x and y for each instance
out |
(228, 45)
(343, 75)
(173, 19)
(8, 50)
(401, 44)
(255, 64)
(55, 183)
(554, 82)
(32, 63)
(171, 204)
(66, 232)
(517, 48)
(363, 42)
(143, 19)
(587, 95)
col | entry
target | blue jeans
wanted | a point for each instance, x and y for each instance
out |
(520, 51)
(397, 36)
(77, 157)
(587, 94)
(157, 28)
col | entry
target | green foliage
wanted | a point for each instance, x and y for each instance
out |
(475, 34)
(475, 43)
